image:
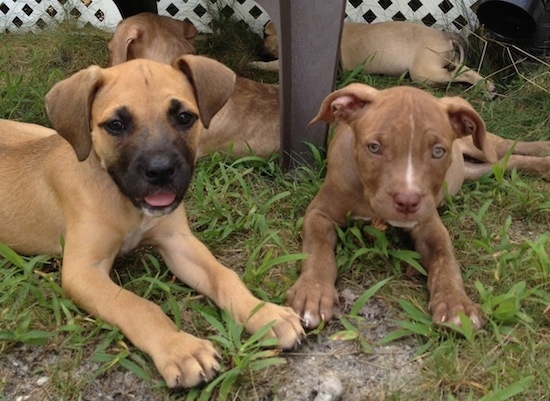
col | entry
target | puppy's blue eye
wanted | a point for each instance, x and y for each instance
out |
(115, 126)
(438, 152)
(374, 148)
(186, 119)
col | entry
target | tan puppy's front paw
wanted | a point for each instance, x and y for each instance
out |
(446, 307)
(265, 65)
(312, 300)
(287, 328)
(185, 361)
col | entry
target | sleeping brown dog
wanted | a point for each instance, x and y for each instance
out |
(112, 177)
(137, 37)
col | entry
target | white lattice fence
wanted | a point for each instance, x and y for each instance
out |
(35, 15)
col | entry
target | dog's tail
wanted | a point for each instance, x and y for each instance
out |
(459, 52)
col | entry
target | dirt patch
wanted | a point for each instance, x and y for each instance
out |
(321, 369)
(323, 364)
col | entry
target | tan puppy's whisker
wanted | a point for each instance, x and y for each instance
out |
(112, 177)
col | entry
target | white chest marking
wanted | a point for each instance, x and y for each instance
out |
(402, 224)
(394, 223)
(133, 238)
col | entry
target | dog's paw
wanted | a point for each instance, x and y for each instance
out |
(445, 308)
(312, 300)
(286, 327)
(185, 361)
(265, 65)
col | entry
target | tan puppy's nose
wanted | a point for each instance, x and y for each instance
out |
(160, 169)
(407, 202)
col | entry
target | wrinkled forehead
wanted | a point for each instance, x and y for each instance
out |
(145, 86)
(404, 111)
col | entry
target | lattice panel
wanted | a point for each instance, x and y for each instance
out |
(449, 14)
(35, 15)
(199, 12)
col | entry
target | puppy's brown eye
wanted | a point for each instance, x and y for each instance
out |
(186, 119)
(438, 152)
(374, 148)
(115, 126)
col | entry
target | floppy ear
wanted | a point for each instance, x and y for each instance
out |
(69, 105)
(212, 82)
(189, 31)
(345, 104)
(119, 45)
(466, 121)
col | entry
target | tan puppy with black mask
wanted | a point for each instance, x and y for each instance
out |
(112, 177)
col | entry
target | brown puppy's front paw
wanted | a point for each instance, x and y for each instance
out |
(446, 307)
(185, 361)
(287, 328)
(312, 300)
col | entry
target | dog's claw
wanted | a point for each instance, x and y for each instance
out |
(476, 322)
(304, 320)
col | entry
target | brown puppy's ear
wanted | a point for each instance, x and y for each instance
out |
(345, 104)
(466, 121)
(189, 31)
(69, 105)
(119, 45)
(212, 82)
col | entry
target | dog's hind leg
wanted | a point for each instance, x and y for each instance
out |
(539, 166)
(502, 146)
(528, 157)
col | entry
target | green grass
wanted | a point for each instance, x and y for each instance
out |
(249, 213)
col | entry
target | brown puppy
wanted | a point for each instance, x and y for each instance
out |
(112, 178)
(248, 122)
(151, 36)
(394, 48)
(390, 155)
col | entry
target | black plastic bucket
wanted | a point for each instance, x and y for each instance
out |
(511, 20)
(539, 42)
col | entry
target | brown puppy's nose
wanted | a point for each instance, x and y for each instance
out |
(407, 202)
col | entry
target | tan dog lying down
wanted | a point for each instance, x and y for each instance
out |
(394, 48)
(391, 153)
(249, 121)
(113, 177)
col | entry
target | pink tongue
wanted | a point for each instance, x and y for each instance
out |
(159, 200)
